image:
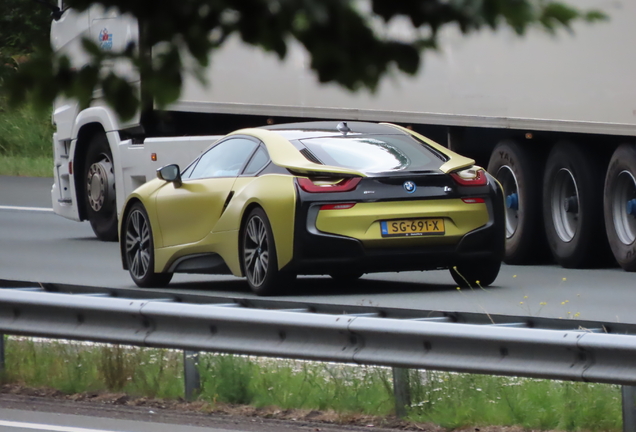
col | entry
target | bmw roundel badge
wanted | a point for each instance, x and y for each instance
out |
(409, 186)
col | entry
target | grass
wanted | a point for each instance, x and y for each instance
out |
(25, 141)
(26, 166)
(448, 399)
(453, 400)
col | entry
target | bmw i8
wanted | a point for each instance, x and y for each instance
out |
(335, 198)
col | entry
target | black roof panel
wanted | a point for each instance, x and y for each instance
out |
(304, 130)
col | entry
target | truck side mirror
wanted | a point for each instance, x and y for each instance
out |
(170, 173)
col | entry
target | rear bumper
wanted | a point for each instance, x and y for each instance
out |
(317, 252)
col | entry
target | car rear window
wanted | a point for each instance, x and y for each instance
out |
(375, 153)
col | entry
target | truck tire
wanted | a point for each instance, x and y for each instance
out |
(619, 205)
(573, 219)
(99, 189)
(519, 171)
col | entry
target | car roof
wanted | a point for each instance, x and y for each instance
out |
(319, 129)
(279, 142)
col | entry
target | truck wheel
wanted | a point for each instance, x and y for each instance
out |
(519, 172)
(139, 250)
(476, 273)
(99, 177)
(620, 206)
(572, 191)
(259, 259)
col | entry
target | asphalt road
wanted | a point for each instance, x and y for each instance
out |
(40, 246)
(20, 413)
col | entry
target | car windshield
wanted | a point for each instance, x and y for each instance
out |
(374, 153)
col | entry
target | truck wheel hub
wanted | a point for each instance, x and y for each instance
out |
(99, 183)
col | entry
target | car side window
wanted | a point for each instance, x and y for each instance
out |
(225, 159)
(257, 163)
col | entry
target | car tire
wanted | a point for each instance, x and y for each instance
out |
(519, 171)
(476, 273)
(572, 191)
(138, 249)
(258, 256)
(620, 206)
(99, 189)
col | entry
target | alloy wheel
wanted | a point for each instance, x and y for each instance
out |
(256, 251)
(138, 244)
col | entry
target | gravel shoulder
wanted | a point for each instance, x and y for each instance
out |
(239, 418)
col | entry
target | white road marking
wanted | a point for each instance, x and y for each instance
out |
(40, 209)
(45, 427)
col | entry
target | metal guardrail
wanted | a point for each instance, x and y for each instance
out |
(577, 354)
(536, 348)
(281, 303)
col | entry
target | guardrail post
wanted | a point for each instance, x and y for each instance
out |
(191, 377)
(401, 390)
(629, 416)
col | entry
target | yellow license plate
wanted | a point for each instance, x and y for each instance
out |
(412, 227)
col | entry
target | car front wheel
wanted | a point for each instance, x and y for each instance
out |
(139, 252)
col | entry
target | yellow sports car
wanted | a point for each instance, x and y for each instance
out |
(341, 199)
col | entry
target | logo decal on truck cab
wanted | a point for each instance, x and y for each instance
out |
(105, 40)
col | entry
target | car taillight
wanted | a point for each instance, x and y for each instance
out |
(344, 185)
(342, 206)
(474, 200)
(470, 177)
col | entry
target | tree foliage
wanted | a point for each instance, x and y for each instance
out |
(346, 40)
(23, 26)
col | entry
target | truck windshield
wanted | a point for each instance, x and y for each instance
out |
(374, 153)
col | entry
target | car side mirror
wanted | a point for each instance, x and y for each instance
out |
(170, 173)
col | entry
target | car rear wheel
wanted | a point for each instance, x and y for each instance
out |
(476, 273)
(259, 259)
(139, 252)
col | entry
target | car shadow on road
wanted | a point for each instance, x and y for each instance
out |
(320, 286)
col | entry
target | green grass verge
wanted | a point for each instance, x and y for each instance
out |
(26, 166)
(448, 399)
(25, 141)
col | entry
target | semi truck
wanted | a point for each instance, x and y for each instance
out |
(551, 116)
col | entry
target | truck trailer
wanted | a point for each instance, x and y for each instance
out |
(551, 116)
